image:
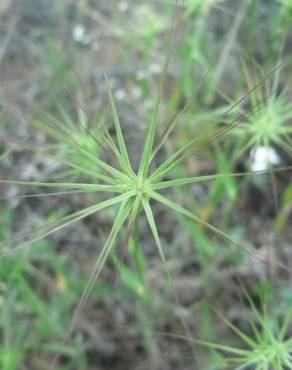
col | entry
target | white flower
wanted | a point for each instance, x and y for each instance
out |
(80, 35)
(78, 32)
(263, 157)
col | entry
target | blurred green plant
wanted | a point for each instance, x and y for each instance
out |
(287, 4)
(269, 345)
(267, 122)
(266, 342)
(145, 27)
(86, 132)
(32, 321)
(195, 7)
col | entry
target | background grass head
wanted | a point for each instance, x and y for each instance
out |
(268, 122)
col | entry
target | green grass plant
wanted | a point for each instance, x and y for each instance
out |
(79, 147)
(269, 123)
(133, 192)
(264, 345)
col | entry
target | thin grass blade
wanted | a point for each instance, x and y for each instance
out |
(63, 222)
(119, 221)
(251, 251)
